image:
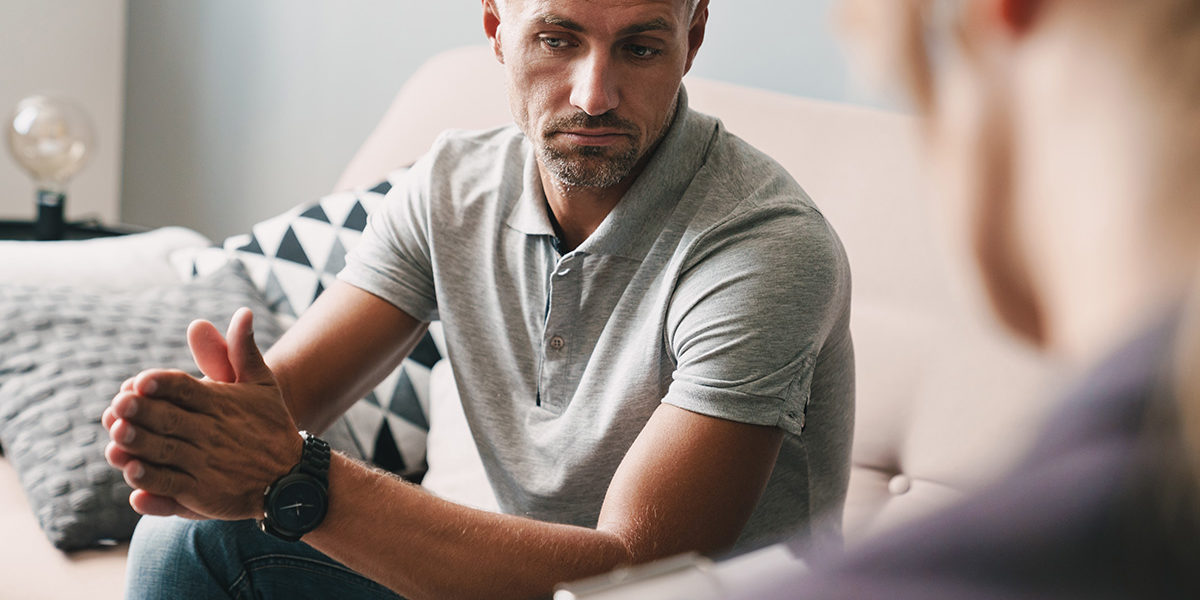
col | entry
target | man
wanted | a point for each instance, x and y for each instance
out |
(643, 313)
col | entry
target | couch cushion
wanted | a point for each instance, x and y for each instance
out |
(111, 263)
(292, 258)
(63, 355)
(36, 569)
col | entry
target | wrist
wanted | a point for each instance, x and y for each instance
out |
(296, 503)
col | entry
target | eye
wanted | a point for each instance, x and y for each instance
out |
(554, 43)
(642, 52)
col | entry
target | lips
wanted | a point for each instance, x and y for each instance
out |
(592, 137)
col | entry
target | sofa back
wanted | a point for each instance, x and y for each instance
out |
(944, 400)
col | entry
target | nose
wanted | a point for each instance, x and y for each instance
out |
(593, 89)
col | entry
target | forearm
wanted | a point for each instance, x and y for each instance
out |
(338, 350)
(424, 547)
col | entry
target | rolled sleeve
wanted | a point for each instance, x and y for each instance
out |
(751, 311)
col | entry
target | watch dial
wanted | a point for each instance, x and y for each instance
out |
(298, 504)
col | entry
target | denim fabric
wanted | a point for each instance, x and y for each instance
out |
(177, 558)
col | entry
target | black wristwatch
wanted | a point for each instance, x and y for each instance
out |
(297, 502)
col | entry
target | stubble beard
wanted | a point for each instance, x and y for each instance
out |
(595, 166)
(590, 166)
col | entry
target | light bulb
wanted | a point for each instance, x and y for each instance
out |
(51, 139)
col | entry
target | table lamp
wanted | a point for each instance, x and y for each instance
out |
(51, 139)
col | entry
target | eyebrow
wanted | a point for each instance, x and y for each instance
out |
(657, 24)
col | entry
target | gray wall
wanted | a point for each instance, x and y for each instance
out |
(73, 49)
(237, 110)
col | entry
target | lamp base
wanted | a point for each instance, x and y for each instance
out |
(25, 231)
(50, 224)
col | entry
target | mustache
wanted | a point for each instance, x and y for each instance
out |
(582, 120)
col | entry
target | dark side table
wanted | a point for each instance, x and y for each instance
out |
(77, 230)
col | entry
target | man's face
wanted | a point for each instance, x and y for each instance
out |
(593, 83)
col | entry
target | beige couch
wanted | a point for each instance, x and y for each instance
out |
(944, 400)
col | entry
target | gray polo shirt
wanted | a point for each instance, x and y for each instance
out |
(714, 285)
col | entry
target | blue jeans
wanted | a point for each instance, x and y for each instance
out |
(178, 558)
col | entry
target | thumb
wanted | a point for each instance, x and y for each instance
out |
(210, 352)
(247, 361)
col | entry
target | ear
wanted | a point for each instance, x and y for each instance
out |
(491, 27)
(696, 33)
(1018, 16)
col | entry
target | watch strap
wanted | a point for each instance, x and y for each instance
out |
(314, 459)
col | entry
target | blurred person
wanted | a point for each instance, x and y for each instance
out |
(1065, 135)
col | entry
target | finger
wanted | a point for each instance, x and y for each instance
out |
(116, 456)
(244, 355)
(146, 503)
(178, 387)
(155, 448)
(156, 415)
(210, 351)
(160, 481)
(107, 418)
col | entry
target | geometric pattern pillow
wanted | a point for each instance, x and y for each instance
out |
(292, 258)
(63, 355)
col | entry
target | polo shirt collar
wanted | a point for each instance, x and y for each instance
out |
(636, 221)
(530, 215)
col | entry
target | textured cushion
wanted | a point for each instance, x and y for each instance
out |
(63, 355)
(295, 256)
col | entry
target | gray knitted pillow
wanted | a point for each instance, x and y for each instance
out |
(63, 356)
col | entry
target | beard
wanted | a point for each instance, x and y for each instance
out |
(590, 166)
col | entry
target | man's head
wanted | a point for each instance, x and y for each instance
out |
(594, 83)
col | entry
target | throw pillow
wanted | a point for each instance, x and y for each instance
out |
(295, 256)
(64, 353)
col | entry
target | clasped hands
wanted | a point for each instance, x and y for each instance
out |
(204, 448)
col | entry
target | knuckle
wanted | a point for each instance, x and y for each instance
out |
(169, 449)
(171, 421)
(169, 482)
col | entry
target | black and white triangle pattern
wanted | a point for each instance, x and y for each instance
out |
(292, 258)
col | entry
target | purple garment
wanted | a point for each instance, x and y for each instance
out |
(1086, 515)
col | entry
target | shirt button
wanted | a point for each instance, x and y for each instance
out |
(557, 342)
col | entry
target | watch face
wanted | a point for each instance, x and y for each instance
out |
(297, 504)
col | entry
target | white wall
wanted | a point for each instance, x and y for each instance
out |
(239, 110)
(74, 48)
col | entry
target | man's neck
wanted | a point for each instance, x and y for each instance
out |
(1109, 232)
(578, 211)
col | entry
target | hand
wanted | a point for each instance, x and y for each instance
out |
(204, 448)
(211, 354)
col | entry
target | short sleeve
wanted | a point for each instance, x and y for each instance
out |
(760, 296)
(393, 259)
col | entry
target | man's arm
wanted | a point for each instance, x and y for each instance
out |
(345, 343)
(342, 346)
(207, 449)
(688, 483)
